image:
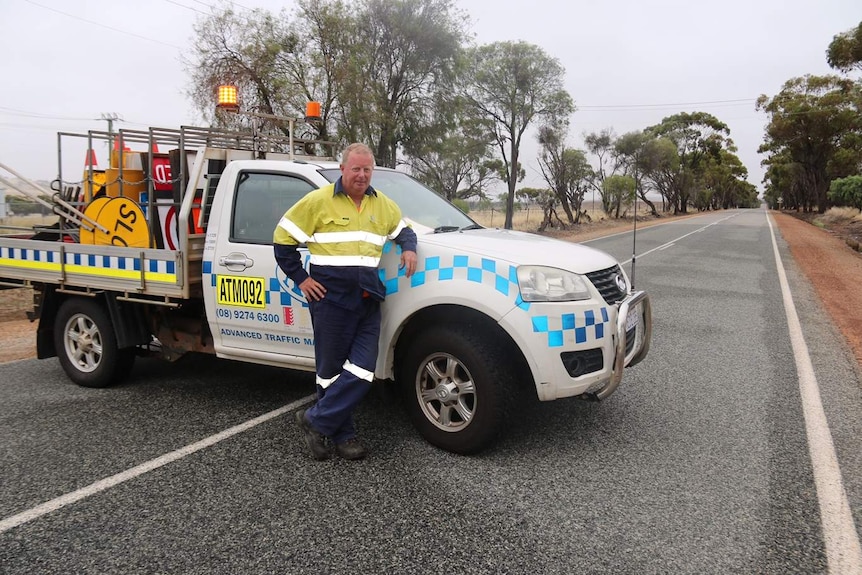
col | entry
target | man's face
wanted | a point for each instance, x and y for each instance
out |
(356, 173)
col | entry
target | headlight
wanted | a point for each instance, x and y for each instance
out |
(540, 283)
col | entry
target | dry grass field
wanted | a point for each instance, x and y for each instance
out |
(529, 219)
(845, 223)
(18, 224)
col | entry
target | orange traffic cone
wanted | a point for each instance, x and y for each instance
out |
(90, 160)
(117, 145)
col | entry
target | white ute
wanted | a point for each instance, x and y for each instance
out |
(488, 314)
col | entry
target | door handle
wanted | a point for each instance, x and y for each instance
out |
(236, 262)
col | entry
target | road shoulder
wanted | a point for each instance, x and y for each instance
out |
(834, 270)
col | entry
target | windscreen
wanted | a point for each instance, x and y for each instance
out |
(419, 205)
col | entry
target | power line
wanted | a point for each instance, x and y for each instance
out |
(4, 111)
(99, 24)
(29, 127)
(188, 7)
(231, 1)
(640, 107)
(38, 115)
(94, 23)
(208, 5)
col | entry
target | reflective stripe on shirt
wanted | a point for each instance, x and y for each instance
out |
(344, 237)
(344, 261)
(401, 225)
(293, 230)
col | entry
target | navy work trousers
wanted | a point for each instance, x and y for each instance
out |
(345, 353)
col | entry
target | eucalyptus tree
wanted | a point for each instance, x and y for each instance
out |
(815, 124)
(512, 84)
(458, 168)
(660, 162)
(249, 49)
(374, 65)
(631, 153)
(724, 183)
(526, 198)
(697, 137)
(319, 60)
(547, 201)
(620, 189)
(847, 191)
(564, 169)
(783, 183)
(845, 50)
(452, 152)
(601, 145)
(399, 52)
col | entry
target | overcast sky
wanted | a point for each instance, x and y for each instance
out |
(628, 63)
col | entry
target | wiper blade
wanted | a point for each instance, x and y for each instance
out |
(472, 227)
(444, 229)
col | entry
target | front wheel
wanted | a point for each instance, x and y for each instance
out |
(458, 388)
(86, 344)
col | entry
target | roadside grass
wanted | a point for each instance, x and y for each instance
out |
(11, 224)
(838, 215)
(529, 219)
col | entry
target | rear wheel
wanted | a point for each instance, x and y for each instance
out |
(86, 344)
(458, 388)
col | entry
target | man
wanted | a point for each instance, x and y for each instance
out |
(344, 226)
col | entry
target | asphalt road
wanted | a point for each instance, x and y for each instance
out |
(698, 464)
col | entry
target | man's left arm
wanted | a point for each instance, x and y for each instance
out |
(406, 240)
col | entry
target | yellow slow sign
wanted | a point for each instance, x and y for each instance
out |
(124, 220)
(241, 291)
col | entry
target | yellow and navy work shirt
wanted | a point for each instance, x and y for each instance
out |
(345, 243)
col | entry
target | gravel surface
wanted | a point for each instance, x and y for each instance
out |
(699, 464)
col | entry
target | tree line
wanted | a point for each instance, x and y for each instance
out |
(813, 141)
(405, 77)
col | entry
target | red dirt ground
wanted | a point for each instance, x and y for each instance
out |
(834, 269)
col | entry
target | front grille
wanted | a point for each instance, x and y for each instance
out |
(630, 339)
(605, 282)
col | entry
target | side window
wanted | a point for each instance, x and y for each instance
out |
(259, 202)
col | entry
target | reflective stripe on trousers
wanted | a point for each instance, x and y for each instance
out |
(345, 351)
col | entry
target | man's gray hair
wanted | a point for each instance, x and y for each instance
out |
(355, 149)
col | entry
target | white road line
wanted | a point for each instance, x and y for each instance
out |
(671, 223)
(138, 470)
(670, 243)
(843, 551)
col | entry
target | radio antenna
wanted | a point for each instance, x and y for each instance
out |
(635, 229)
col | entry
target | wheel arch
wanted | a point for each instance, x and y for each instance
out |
(129, 320)
(450, 314)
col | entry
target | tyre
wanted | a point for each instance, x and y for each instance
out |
(458, 388)
(86, 344)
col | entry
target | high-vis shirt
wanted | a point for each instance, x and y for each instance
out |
(345, 244)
